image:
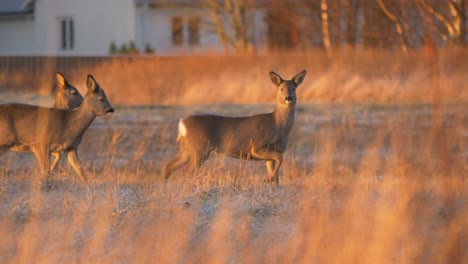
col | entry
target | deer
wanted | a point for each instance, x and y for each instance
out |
(43, 130)
(261, 137)
(66, 97)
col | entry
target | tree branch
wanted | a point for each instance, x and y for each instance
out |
(395, 21)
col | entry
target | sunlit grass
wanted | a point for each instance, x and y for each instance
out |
(359, 75)
(382, 181)
(359, 184)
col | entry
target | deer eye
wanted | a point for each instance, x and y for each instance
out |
(73, 92)
(101, 99)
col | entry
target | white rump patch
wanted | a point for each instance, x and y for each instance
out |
(182, 130)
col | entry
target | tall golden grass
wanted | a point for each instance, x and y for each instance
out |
(347, 75)
(361, 184)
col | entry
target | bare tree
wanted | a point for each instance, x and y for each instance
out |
(325, 25)
(283, 25)
(350, 12)
(235, 33)
(396, 22)
(451, 25)
(378, 23)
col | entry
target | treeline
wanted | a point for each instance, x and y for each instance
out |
(293, 24)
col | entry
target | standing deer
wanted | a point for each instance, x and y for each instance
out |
(44, 130)
(66, 97)
(258, 137)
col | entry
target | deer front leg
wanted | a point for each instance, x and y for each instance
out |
(74, 161)
(273, 161)
(57, 158)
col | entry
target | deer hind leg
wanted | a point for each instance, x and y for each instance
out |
(187, 153)
(6, 143)
(180, 160)
(270, 164)
(57, 158)
(43, 159)
(197, 161)
(4, 149)
(74, 161)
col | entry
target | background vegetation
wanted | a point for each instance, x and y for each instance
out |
(375, 170)
(348, 76)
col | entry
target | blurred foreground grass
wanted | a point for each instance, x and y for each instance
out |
(360, 184)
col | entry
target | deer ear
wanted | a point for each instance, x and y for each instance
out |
(91, 84)
(275, 78)
(299, 77)
(62, 83)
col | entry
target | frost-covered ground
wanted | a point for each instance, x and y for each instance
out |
(147, 135)
(360, 183)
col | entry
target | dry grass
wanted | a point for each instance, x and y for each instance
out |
(361, 184)
(360, 75)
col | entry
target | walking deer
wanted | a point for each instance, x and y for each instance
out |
(44, 130)
(66, 97)
(258, 137)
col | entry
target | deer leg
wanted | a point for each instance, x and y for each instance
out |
(197, 161)
(180, 160)
(4, 150)
(57, 157)
(43, 159)
(270, 164)
(5, 146)
(275, 160)
(74, 161)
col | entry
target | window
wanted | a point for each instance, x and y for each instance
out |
(66, 34)
(194, 30)
(177, 31)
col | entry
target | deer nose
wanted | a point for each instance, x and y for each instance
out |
(110, 111)
(288, 99)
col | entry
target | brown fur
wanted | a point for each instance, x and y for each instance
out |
(66, 97)
(44, 130)
(258, 137)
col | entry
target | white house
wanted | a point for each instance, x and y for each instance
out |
(90, 27)
(186, 27)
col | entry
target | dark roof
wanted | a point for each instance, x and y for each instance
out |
(171, 2)
(16, 7)
(191, 2)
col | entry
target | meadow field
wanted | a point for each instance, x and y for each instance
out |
(375, 171)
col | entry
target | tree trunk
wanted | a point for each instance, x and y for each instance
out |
(325, 26)
(396, 23)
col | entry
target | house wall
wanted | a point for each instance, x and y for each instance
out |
(17, 35)
(258, 34)
(96, 24)
(154, 27)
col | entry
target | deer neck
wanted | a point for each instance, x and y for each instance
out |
(59, 102)
(80, 119)
(284, 117)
